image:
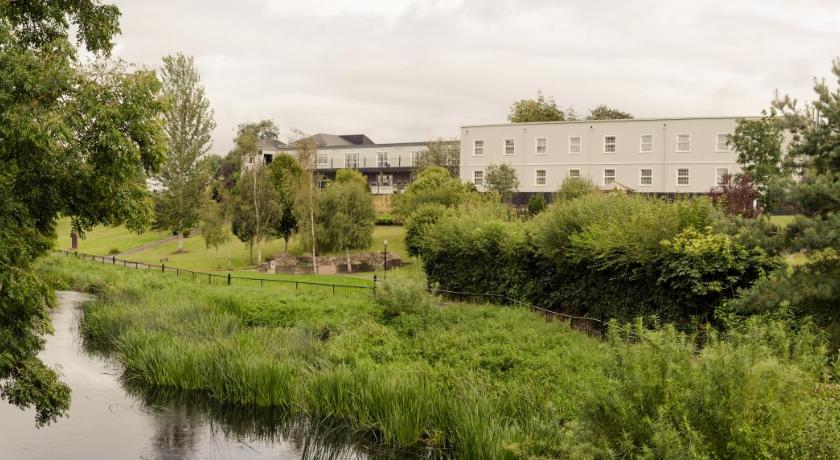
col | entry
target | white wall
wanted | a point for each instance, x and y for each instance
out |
(627, 160)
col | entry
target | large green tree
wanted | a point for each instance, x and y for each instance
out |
(501, 179)
(758, 143)
(433, 185)
(189, 128)
(443, 153)
(603, 112)
(285, 174)
(75, 141)
(539, 109)
(346, 218)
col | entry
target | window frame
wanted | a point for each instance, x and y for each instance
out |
(505, 145)
(325, 157)
(642, 143)
(727, 148)
(379, 157)
(641, 176)
(482, 177)
(687, 177)
(614, 144)
(579, 145)
(677, 145)
(604, 176)
(537, 145)
(475, 147)
(355, 156)
(569, 173)
(537, 177)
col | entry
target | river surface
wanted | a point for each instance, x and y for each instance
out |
(107, 422)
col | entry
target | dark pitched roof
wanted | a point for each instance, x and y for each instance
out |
(269, 144)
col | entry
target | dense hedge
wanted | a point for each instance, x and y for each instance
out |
(606, 256)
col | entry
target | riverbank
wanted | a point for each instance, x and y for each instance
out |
(465, 380)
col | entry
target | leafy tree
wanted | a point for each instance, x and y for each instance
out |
(501, 179)
(539, 109)
(418, 223)
(433, 185)
(255, 209)
(351, 175)
(285, 173)
(189, 128)
(446, 154)
(758, 144)
(574, 187)
(602, 112)
(306, 196)
(214, 224)
(245, 145)
(736, 195)
(75, 141)
(817, 195)
(346, 218)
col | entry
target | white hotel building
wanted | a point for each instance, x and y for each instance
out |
(664, 155)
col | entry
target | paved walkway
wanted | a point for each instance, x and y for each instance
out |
(151, 245)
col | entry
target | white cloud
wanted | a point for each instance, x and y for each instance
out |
(412, 70)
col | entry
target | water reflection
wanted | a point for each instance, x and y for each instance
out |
(108, 419)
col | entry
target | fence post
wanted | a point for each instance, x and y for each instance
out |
(113, 260)
(135, 265)
(209, 280)
(162, 267)
(228, 279)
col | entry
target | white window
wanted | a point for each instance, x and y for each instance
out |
(609, 176)
(478, 178)
(683, 142)
(646, 143)
(322, 159)
(510, 147)
(382, 160)
(722, 143)
(683, 177)
(720, 175)
(542, 145)
(574, 173)
(609, 144)
(417, 157)
(574, 144)
(351, 160)
(540, 178)
(645, 176)
(478, 147)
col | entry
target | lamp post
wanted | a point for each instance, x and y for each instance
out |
(385, 263)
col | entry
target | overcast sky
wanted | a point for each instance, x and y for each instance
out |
(401, 70)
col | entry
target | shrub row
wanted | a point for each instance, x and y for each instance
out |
(606, 256)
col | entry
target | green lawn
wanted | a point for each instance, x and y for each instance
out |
(102, 240)
(782, 221)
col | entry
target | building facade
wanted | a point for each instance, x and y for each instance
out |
(663, 156)
(387, 167)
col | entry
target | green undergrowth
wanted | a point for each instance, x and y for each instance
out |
(470, 381)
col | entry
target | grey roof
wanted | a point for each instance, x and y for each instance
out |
(269, 144)
(623, 120)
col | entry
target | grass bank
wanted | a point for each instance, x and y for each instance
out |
(472, 381)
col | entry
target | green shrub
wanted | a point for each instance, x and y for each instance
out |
(574, 187)
(416, 224)
(386, 219)
(536, 204)
(754, 233)
(113, 251)
(433, 185)
(607, 256)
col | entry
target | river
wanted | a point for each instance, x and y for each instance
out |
(106, 421)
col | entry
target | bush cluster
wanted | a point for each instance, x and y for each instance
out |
(606, 256)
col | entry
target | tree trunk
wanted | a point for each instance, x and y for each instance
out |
(180, 241)
(286, 247)
(228, 248)
(312, 221)
(257, 230)
(251, 251)
(259, 252)
(349, 265)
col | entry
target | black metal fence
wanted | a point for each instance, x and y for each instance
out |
(227, 279)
